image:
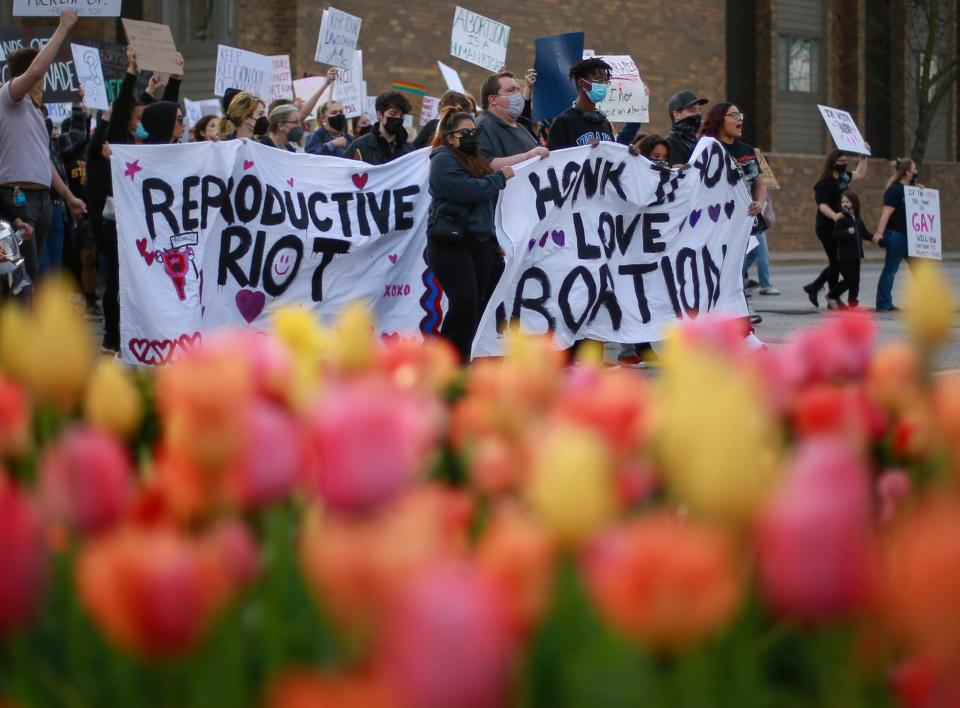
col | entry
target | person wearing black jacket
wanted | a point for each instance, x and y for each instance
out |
(685, 120)
(849, 233)
(64, 148)
(387, 139)
(582, 123)
(461, 242)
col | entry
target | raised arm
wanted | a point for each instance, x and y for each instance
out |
(306, 110)
(21, 86)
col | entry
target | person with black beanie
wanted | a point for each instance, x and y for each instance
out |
(163, 123)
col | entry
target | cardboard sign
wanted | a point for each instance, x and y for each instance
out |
(60, 83)
(240, 69)
(843, 130)
(154, 44)
(281, 83)
(451, 78)
(769, 178)
(339, 32)
(923, 223)
(553, 56)
(479, 40)
(84, 8)
(86, 61)
(429, 110)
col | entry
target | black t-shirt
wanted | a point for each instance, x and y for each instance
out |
(828, 191)
(747, 163)
(573, 128)
(894, 197)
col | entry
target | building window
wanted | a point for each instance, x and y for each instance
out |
(799, 64)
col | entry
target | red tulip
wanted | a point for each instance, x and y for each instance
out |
(269, 457)
(234, 544)
(14, 418)
(86, 480)
(370, 442)
(21, 558)
(447, 644)
(814, 545)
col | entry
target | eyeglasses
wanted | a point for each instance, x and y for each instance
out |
(181, 119)
(465, 132)
(736, 116)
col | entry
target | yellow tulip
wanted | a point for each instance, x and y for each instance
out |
(353, 344)
(112, 401)
(571, 487)
(718, 444)
(307, 341)
(14, 332)
(929, 305)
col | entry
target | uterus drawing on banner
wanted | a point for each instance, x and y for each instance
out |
(177, 260)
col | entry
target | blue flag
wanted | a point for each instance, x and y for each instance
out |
(554, 92)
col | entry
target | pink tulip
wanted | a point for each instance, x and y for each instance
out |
(270, 457)
(814, 545)
(370, 441)
(85, 480)
(447, 643)
(21, 557)
(233, 542)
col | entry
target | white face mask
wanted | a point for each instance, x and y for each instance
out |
(515, 107)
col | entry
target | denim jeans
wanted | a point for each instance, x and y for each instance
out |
(761, 256)
(895, 243)
(38, 212)
(52, 257)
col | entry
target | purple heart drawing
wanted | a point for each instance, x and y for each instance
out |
(695, 217)
(290, 181)
(714, 211)
(533, 242)
(558, 237)
(250, 304)
(683, 223)
(247, 164)
(728, 208)
(392, 257)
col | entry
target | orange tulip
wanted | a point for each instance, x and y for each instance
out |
(15, 418)
(308, 689)
(664, 582)
(428, 366)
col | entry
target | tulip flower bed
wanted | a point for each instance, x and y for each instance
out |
(313, 518)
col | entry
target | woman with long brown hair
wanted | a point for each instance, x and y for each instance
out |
(461, 240)
(892, 229)
(833, 182)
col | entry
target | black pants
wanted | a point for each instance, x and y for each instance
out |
(850, 271)
(465, 270)
(105, 231)
(37, 211)
(831, 274)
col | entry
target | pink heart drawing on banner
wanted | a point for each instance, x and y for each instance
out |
(714, 212)
(250, 304)
(290, 181)
(388, 337)
(247, 164)
(148, 256)
(189, 342)
(360, 180)
(151, 351)
(559, 237)
(695, 217)
(140, 348)
(392, 257)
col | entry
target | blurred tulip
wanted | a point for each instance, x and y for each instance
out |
(307, 341)
(496, 466)
(571, 486)
(268, 458)
(153, 592)
(664, 582)
(840, 410)
(894, 378)
(929, 305)
(113, 403)
(945, 405)
(309, 689)
(893, 488)
(428, 366)
(234, 544)
(921, 682)
(21, 557)
(14, 331)
(86, 480)
(446, 643)
(15, 417)
(814, 544)
(370, 442)
(353, 347)
(718, 443)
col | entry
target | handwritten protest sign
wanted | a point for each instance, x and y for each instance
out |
(84, 8)
(843, 130)
(240, 69)
(339, 32)
(451, 78)
(769, 178)
(271, 228)
(479, 40)
(113, 61)
(370, 106)
(352, 96)
(60, 82)
(86, 61)
(627, 97)
(923, 223)
(156, 50)
(281, 83)
(58, 112)
(429, 110)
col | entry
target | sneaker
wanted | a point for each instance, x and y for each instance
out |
(769, 290)
(834, 303)
(813, 293)
(751, 283)
(755, 319)
(93, 312)
(754, 343)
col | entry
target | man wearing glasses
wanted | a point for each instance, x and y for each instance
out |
(503, 132)
(684, 109)
(582, 123)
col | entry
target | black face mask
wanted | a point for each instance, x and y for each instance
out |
(364, 130)
(840, 169)
(690, 124)
(338, 123)
(393, 126)
(913, 179)
(469, 144)
(261, 126)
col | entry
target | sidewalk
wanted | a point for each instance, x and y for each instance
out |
(873, 255)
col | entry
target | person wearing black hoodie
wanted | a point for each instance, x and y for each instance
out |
(461, 241)
(387, 139)
(684, 110)
(163, 123)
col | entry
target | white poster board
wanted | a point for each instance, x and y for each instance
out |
(923, 223)
(243, 70)
(843, 129)
(86, 62)
(58, 112)
(307, 86)
(352, 97)
(370, 107)
(84, 8)
(281, 82)
(451, 78)
(429, 110)
(339, 32)
(479, 40)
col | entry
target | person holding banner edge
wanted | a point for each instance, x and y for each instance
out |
(892, 230)
(504, 139)
(461, 239)
(583, 123)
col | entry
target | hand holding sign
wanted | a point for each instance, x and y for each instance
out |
(339, 32)
(843, 130)
(86, 61)
(155, 50)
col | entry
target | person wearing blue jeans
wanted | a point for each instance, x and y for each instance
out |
(761, 256)
(52, 257)
(892, 229)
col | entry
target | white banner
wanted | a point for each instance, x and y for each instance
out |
(599, 244)
(84, 8)
(240, 69)
(479, 40)
(339, 32)
(843, 129)
(923, 223)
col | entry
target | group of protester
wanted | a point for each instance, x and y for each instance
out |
(50, 182)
